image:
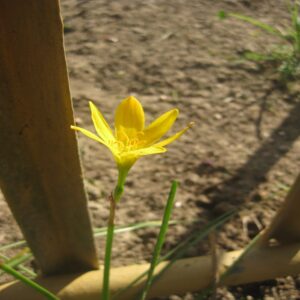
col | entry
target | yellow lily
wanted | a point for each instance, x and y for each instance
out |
(131, 140)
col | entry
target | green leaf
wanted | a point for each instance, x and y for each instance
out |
(222, 15)
(257, 23)
(255, 56)
(160, 239)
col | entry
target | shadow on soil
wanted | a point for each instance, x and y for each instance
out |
(241, 187)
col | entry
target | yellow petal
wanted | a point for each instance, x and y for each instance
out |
(148, 151)
(160, 126)
(100, 124)
(126, 160)
(89, 134)
(129, 116)
(173, 137)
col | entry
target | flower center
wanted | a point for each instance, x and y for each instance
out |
(128, 140)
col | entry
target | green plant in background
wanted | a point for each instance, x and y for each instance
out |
(130, 141)
(286, 54)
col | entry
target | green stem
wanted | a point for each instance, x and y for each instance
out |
(160, 239)
(118, 192)
(6, 268)
(108, 249)
(114, 199)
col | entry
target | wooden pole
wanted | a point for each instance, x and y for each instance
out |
(186, 275)
(40, 173)
(285, 227)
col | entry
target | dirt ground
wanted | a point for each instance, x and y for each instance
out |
(244, 148)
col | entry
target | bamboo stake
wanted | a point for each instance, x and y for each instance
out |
(285, 227)
(40, 173)
(186, 275)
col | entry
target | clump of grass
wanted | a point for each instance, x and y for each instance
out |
(285, 54)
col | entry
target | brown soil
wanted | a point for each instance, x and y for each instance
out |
(244, 148)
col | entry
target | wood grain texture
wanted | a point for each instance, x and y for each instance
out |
(40, 172)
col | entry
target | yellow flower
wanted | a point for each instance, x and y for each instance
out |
(131, 140)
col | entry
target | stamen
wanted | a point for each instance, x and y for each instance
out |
(124, 143)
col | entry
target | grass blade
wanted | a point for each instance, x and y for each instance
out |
(120, 229)
(180, 250)
(13, 245)
(98, 232)
(254, 22)
(16, 262)
(160, 239)
(9, 270)
(296, 25)
(196, 239)
(258, 24)
(102, 231)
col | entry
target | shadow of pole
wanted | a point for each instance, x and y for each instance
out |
(239, 188)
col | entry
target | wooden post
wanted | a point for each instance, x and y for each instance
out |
(40, 173)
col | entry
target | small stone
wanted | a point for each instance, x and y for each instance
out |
(178, 204)
(204, 199)
(228, 99)
(192, 179)
(218, 116)
(78, 121)
(163, 97)
(112, 39)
